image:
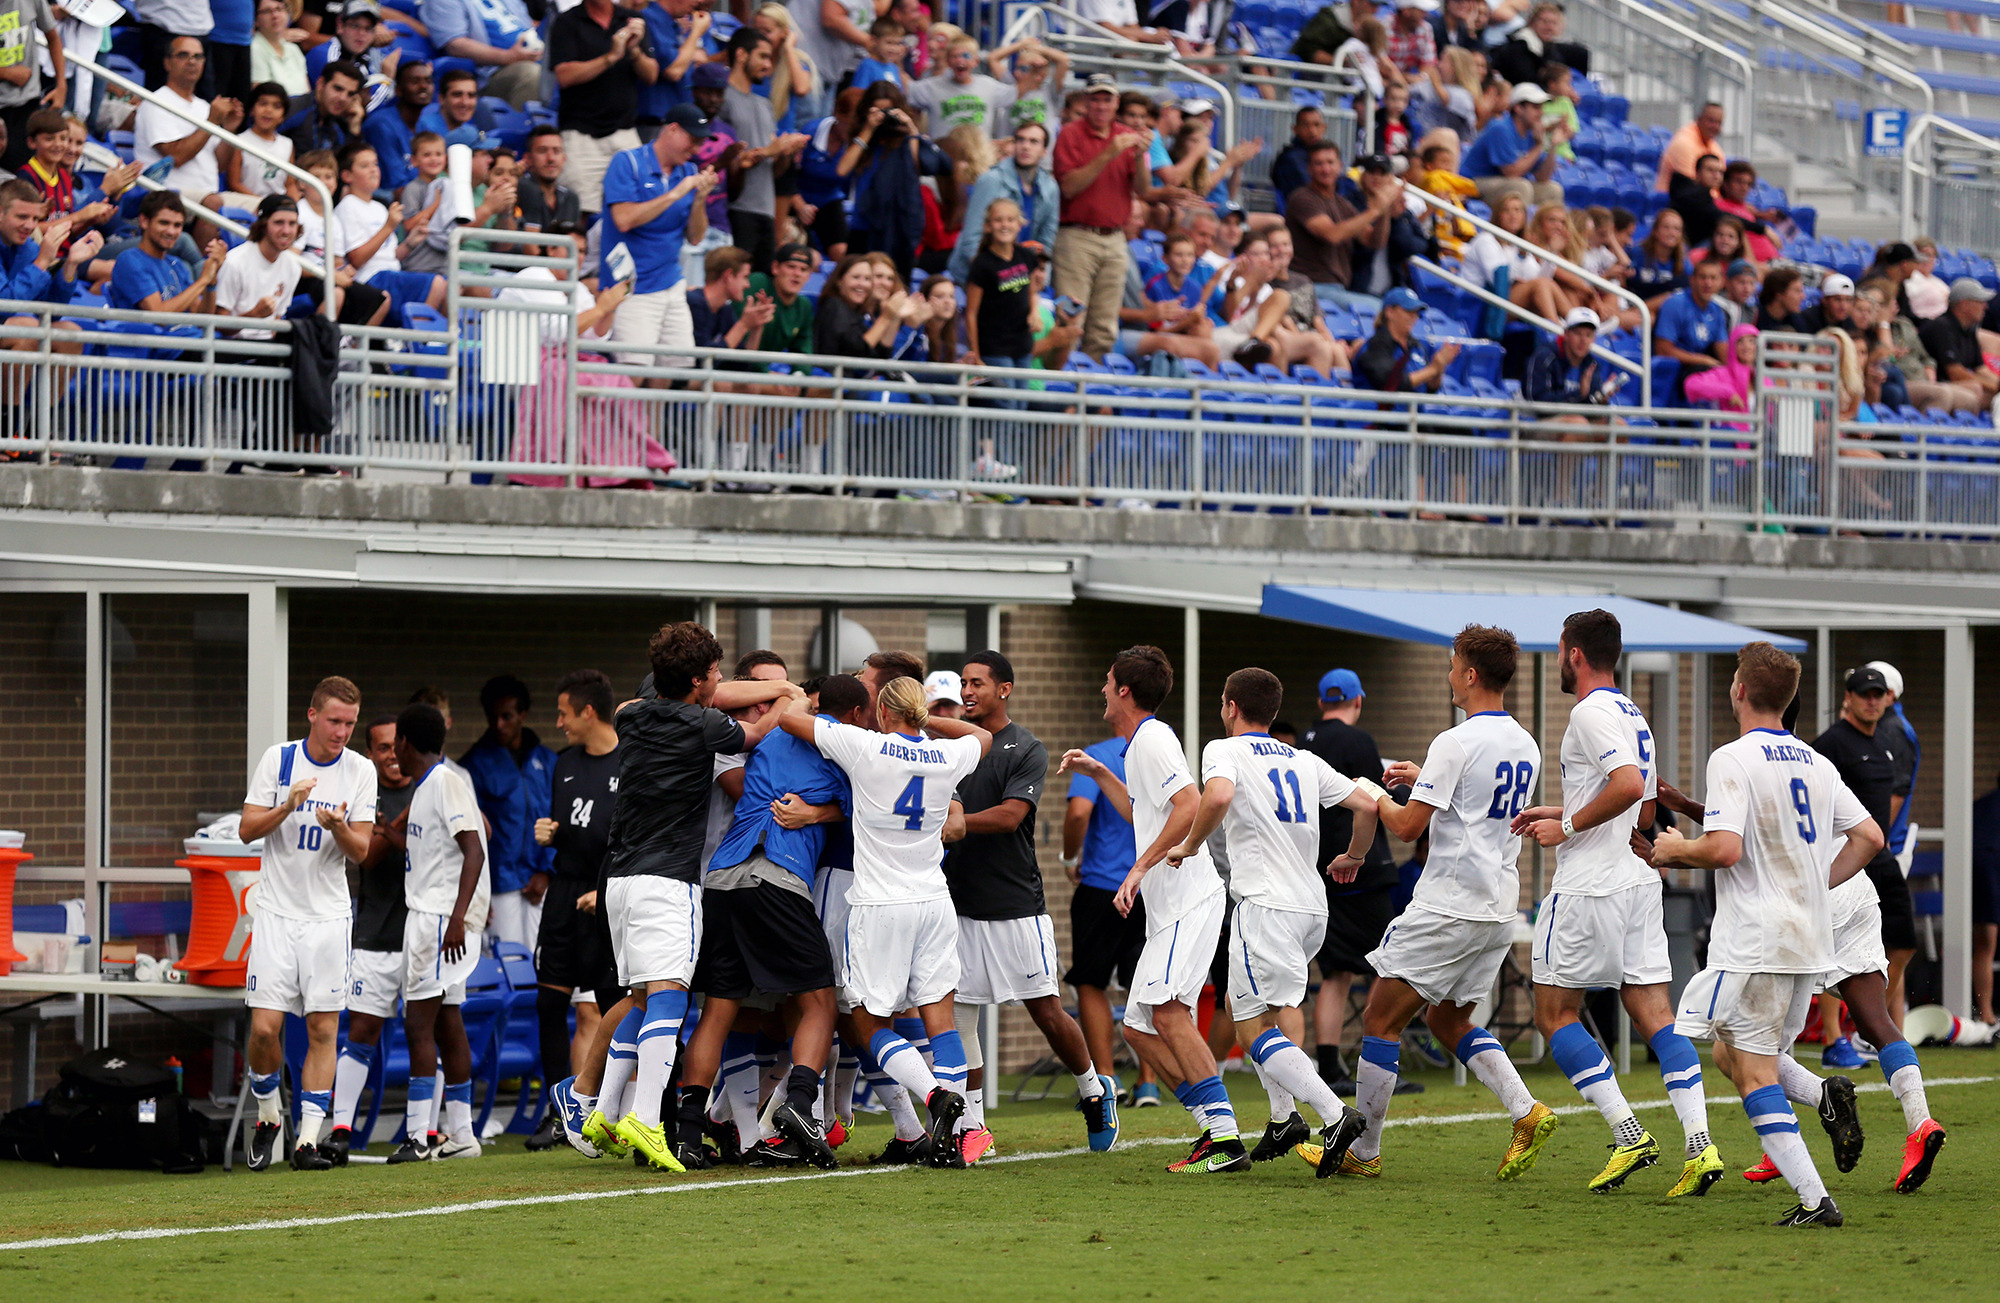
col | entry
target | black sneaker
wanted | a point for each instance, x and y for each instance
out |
(1824, 1213)
(904, 1153)
(414, 1151)
(264, 1145)
(782, 1152)
(804, 1129)
(946, 1107)
(307, 1158)
(1279, 1137)
(1842, 1121)
(728, 1145)
(335, 1145)
(1336, 1138)
(548, 1135)
(695, 1158)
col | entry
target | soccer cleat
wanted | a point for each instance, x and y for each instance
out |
(728, 1144)
(1823, 1213)
(694, 1158)
(1335, 1138)
(974, 1144)
(602, 1136)
(1698, 1173)
(1280, 1137)
(838, 1134)
(1219, 1156)
(1202, 1144)
(1918, 1153)
(563, 1103)
(336, 1144)
(264, 1145)
(412, 1151)
(1351, 1165)
(1766, 1170)
(1100, 1116)
(1841, 1054)
(1146, 1095)
(548, 1134)
(1531, 1135)
(804, 1130)
(946, 1107)
(1842, 1121)
(1625, 1160)
(307, 1158)
(450, 1147)
(780, 1152)
(650, 1141)
(904, 1153)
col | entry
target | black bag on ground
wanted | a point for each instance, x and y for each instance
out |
(114, 1109)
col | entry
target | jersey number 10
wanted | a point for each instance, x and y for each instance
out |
(309, 835)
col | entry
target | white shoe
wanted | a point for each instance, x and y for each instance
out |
(1133, 504)
(458, 1147)
(989, 468)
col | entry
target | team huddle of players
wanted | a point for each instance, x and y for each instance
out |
(843, 877)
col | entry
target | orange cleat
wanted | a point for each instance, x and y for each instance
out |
(1918, 1153)
(1766, 1170)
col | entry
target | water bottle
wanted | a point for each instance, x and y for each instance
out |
(174, 1066)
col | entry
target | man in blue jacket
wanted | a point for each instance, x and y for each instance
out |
(37, 271)
(1028, 183)
(511, 774)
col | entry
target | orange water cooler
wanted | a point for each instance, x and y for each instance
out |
(224, 876)
(11, 858)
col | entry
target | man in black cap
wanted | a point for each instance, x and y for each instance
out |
(656, 199)
(1865, 758)
(790, 329)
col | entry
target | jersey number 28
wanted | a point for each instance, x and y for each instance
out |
(1512, 793)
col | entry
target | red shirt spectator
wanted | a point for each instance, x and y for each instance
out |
(1107, 200)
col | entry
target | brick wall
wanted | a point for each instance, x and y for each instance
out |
(41, 723)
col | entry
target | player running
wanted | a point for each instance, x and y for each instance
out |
(312, 804)
(902, 937)
(1185, 903)
(1006, 939)
(1775, 807)
(1600, 925)
(1267, 796)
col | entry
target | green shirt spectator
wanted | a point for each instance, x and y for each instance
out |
(790, 329)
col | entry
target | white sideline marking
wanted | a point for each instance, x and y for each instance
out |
(584, 1196)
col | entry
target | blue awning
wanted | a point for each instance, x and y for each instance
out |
(1535, 619)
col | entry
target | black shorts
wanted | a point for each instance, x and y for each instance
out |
(761, 938)
(1985, 892)
(1103, 943)
(1218, 967)
(573, 947)
(829, 225)
(1355, 922)
(1899, 916)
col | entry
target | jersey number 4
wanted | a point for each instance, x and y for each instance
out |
(1297, 812)
(911, 804)
(1802, 802)
(1512, 793)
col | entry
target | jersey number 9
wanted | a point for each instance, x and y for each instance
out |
(1802, 802)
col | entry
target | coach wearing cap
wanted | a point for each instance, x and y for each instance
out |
(1359, 912)
(1516, 153)
(1099, 167)
(1953, 340)
(656, 198)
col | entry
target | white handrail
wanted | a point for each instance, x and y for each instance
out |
(1847, 47)
(1537, 320)
(1922, 125)
(1714, 47)
(1141, 55)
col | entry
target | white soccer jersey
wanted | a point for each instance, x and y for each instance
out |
(1155, 769)
(304, 874)
(902, 792)
(1275, 858)
(1478, 776)
(442, 808)
(1773, 912)
(1606, 733)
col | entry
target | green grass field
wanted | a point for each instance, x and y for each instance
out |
(1068, 1225)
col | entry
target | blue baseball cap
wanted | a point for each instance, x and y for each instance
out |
(1336, 686)
(1403, 298)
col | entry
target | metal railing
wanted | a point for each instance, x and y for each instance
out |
(1651, 56)
(1950, 184)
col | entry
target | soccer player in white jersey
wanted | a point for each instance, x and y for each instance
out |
(312, 804)
(1600, 925)
(448, 889)
(1267, 796)
(902, 934)
(1775, 808)
(1185, 903)
(1446, 949)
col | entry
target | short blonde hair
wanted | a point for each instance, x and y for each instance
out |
(958, 44)
(904, 699)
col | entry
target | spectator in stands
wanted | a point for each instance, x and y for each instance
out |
(1541, 42)
(1290, 169)
(794, 84)
(753, 205)
(1394, 361)
(392, 128)
(1024, 178)
(601, 58)
(1733, 197)
(360, 39)
(1688, 145)
(1927, 295)
(148, 278)
(1459, 24)
(1039, 73)
(1327, 230)
(1781, 304)
(158, 133)
(1660, 261)
(1412, 44)
(998, 331)
(1692, 328)
(161, 22)
(334, 117)
(1694, 199)
(889, 45)
(1099, 167)
(422, 195)
(274, 54)
(1435, 172)
(1325, 32)
(498, 36)
(542, 201)
(885, 147)
(50, 170)
(372, 237)
(1367, 53)
(1739, 293)
(1726, 244)
(790, 329)
(1896, 262)
(1727, 387)
(1904, 350)
(260, 276)
(1446, 96)
(1563, 371)
(33, 266)
(1883, 383)
(512, 773)
(1304, 310)
(851, 321)
(712, 307)
(1516, 154)
(1122, 17)
(1507, 268)
(240, 172)
(1249, 308)
(457, 107)
(1953, 339)
(1164, 315)
(495, 187)
(1375, 270)
(656, 199)
(963, 96)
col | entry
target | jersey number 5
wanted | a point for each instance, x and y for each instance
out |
(1512, 793)
(1297, 812)
(1802, 802)
(911, 804)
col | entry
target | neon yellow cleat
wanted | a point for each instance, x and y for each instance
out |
(1349, 1164)
(1700, 1172)
(1531, 1133)
(649, 1141)
(1625, 1160)
(597, 1129)
(1309, 1154)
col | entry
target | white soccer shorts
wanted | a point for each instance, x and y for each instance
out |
(375, 981)
(655, 928)
(1005, 960)
(297, 965)
(1757, 1013)
(1857, 944)
(1269, 951)
(900, 956)
(1173, 967)
(1445, 960)
(830, 901)
(427, 974)
(1586, 942)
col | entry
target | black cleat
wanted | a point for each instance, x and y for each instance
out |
(782, 1152)
(1842, 1121)
(695, 1158)
(414, 1151)
(728, 1145)
(1279, 1137)
(803, 1129)
(1336, 1138)
(549, 1134)
(1824, 1213)
(335, 1144)
(307, 1158)
(946, 1107)
(264, 1145)
(904, 1153)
